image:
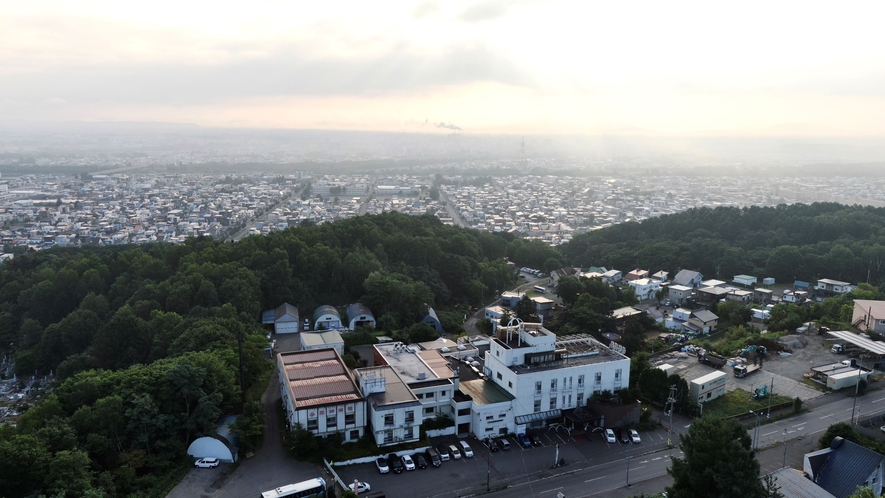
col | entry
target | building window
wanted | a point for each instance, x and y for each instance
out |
(388, 437)
(597, 378)
(553, 385)
(618, 374)
(331, 421)
(350, 419)
(510, 384)
(489, 429)
(312, 425)
(489, 417)
(569, 400)
(463, 411)
(552, 403)
(498, 375)
(443, 394)
(498, 352)
(429, 396)
(502, 415)
(354, 435)
(580, 399)
(410, 417)
(580, 381)
(538, 387)
(388, 419)
(570, 382)
(537, 405)
(420, 395)
(428, 411)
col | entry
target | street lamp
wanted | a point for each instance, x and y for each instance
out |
(756, 429)
(628, 463)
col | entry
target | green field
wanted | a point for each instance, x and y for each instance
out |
(738, 402)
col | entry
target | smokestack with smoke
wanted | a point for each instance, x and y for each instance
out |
(449, 126)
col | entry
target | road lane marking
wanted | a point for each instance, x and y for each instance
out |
(595, 478)
(878, 400)
(549, 490)
(637, 468)
(653, 459)
(797, 425)
(830, 415)
(767, 433)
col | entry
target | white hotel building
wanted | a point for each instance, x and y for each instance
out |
(546, 375)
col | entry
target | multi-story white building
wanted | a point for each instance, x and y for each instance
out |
(645, 288)
(394, 412)
(319, 393)
(546, 375)
(426, 373)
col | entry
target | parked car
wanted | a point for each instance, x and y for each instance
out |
(361, 487)
(504, 443)
(206, 463)
(524, 440)
(491, 444)
(395, 463)
(420, 461)
(433, 457)
(443, 451)
(624, 436)
(381, 463)
(536, 440)
(465, 449)
(610, 436)
(635, 436)
(456, 453)
(408, 462)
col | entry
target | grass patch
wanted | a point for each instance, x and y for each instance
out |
(811, 383)
(738, 402)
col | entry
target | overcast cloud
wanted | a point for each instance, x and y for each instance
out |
(490, 66)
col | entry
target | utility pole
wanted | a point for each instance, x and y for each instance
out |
(756, 429)
(785, 449)
(856, 390)
(671, 404)
(556, 461)
(488, 471)
(628, 463)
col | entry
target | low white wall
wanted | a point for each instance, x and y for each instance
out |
(370, 459)
(448, 431)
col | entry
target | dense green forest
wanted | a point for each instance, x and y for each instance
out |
(787, 242)
(145, 341)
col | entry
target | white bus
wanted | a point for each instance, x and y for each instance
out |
(311, 488)
(540, 290)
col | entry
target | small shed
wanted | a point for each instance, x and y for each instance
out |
(326, 317)
(432, 320)
(359, 315)
(224, 445)
(285, 319)
(329, 339)
(768, 281)
(747, 280)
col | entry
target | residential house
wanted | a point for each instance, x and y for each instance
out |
(713, 283)
(679, 294)
(636, 274)
(319, 393)
(741, 296)
(828, 288)
(869, 316)
(687, 278)
(844, 466)
(705, 320)
(612, 277)
(762, 296)
(711, 295)
(660, 276)
(746, 280)
(645, 288)
(792, 483)
(692, 322)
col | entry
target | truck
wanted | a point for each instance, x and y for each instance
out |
(712, 359)
(839, 348)
(742, 371)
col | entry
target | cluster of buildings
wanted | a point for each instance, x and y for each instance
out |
(523, 377)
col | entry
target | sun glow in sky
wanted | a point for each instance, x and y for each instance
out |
(529, 66)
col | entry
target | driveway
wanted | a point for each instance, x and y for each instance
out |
(268, 468)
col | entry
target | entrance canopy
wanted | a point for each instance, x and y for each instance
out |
(874, 347)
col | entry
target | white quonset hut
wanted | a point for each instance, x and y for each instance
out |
(285, 319)
(326, 317)
(225, 445)
(359, 315)
(707, 387)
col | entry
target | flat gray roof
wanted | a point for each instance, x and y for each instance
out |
(484, 392)
(870, 345)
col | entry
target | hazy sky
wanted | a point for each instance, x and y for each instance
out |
(758, 68)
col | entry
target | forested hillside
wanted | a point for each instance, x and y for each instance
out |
(806, 242)
(144, 340)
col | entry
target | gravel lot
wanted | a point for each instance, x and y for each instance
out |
(787, 371)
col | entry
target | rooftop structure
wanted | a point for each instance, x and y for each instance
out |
(384, 388)
(317, 378)
(411, 363)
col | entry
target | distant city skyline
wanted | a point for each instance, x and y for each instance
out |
(487, 67)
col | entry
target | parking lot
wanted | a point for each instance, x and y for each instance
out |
(787, 371)
(518, 464)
